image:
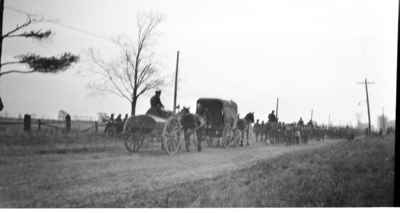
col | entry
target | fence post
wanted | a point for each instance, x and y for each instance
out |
(27, 123)
(68, 123)
(96, 126)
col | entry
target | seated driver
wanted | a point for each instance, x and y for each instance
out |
(156, 106)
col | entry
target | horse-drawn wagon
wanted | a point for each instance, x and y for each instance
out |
(214, 119)
(221, 117)
(143, 128)
(169, 128)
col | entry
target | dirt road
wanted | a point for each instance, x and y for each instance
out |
(98, 179)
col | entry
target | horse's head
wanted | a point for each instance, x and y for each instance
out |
(185, 110)
(250, 117)
(105, 119)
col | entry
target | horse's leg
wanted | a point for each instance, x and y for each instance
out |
(197, 140)
(272, 137)
(241, 137)
(226, 136)
(301, 137)
(256, 134)
(187, 139)
(247, 135)
(258, 137)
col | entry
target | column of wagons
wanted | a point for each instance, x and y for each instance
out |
(142, 128)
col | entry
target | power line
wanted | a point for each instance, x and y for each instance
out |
(58, 23)
(80, 31)
(19, 11)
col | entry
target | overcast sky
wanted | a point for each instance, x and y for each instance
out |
(309, 53)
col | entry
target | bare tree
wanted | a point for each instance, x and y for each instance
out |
(134, 73)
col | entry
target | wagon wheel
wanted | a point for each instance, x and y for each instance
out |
(134, 141)
(110, 131)
(172, 136)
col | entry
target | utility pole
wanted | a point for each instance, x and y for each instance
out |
(176, 80)
(1, 28)
(277, 105)
(1, 40)
(312, 111)
(329, 120)
(383, 119)
(366, 93)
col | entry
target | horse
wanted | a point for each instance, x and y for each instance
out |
(243, 125)
(271, 131)
(111, 128)
(257, 130)
(298, 136)
(190, 123)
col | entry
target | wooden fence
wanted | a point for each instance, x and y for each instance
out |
(65, 125)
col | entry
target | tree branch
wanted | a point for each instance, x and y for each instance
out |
(18, 27)
(10, 62)
(128, 74)
(17, 71)
(108, 75)
(104, 89)
(33, 34)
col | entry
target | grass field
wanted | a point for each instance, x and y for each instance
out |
(357, 173)
(85, 170)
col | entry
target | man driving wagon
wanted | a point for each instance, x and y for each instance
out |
(156, 107)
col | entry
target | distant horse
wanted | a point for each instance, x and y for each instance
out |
(191, 123)
(257, 130)
(271, 132)
(243, 125)
(298, 137)
(113, 128)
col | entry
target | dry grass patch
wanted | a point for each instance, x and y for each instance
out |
(356, 173)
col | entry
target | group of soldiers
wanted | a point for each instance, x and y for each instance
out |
(115, 125)
(274, 132)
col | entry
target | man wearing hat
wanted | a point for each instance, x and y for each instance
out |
(272, 118)
(155, 103)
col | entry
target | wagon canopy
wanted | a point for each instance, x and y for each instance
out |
(214, 110)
